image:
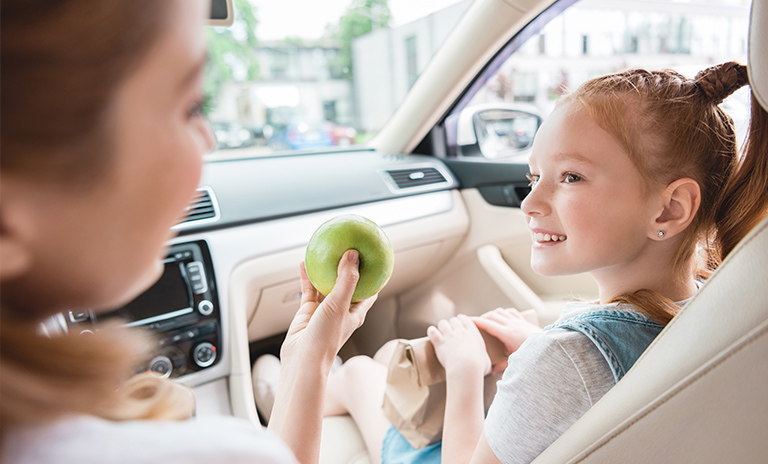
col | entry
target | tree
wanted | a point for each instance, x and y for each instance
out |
(362, 17)
(228, 47)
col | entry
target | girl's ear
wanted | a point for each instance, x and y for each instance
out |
(680, 202)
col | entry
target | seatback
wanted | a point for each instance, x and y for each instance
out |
(700, 391)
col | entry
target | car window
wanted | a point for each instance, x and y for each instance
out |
(299, 75)
(588, 39)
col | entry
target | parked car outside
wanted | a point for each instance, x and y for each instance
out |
(232, 135)
(261, 134)
(342, 135)
(302, 134)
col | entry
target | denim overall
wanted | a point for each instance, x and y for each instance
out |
(621, 337)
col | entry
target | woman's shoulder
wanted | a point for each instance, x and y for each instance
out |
(86, 440)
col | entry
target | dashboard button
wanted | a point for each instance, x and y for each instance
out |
(197, 277)
(79, 316)
(205, 307)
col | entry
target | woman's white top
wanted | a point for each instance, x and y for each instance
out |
(90, 440)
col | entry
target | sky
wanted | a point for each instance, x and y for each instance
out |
(308, 18)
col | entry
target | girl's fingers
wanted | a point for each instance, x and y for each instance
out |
(444, 326)
(465, 321)
(500, 318)
(487, 313)
(489, 325)
(512, 312)
(434, 334)
(506, 316)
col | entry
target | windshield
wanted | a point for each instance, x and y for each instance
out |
(298, 75)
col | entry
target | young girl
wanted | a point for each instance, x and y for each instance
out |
(635, 180)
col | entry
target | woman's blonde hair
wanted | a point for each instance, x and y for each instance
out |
(62, 63)
(672, 127)
(48, 377)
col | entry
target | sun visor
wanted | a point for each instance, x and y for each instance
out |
(222, 13)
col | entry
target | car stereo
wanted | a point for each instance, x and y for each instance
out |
(181, 308)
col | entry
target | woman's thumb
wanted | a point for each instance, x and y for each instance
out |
(346, 280)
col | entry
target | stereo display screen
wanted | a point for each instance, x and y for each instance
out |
(169, 295)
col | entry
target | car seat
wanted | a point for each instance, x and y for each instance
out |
(699, 393)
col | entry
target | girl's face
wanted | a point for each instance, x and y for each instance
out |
(101, 245)
(589, 209)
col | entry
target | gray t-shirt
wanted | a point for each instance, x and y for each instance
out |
(551, 381)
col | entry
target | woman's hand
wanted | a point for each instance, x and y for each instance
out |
(508, 325)
(459, 346)
(317, 332)
(323, 324)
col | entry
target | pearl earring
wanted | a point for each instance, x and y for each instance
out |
(661, 234)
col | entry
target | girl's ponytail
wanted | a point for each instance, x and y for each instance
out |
(744, 199)
(719, 82)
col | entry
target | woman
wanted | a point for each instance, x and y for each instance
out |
(102, 138)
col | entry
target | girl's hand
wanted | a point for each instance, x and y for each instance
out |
(459, 346)
(508, 325)
(323, 324)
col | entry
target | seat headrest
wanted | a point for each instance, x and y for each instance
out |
(758, 51)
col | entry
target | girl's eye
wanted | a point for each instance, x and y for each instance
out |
(532, 179)
(570, 178)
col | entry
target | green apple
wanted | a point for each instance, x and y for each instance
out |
(342, 233)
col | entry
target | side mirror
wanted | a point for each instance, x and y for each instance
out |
(498, 130)
(222, 13)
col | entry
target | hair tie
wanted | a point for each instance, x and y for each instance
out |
(718, 82)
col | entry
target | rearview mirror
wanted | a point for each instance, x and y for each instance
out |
(222, 13)
(498, 130)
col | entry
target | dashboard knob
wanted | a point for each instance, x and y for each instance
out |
(161, 366)
(204, 354)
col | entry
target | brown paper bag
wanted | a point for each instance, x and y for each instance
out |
(414, 399)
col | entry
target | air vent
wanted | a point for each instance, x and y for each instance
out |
(408, 178)
(202, 208)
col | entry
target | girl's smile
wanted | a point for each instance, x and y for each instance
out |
(544, 238)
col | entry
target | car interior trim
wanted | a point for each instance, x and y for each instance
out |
(484, 29)
(246, 189)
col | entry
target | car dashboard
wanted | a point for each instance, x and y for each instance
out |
(232, 273)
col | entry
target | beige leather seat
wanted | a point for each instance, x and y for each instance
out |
(700, 392)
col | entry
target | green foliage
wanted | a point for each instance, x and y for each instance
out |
(362, 17)
(235, 43)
